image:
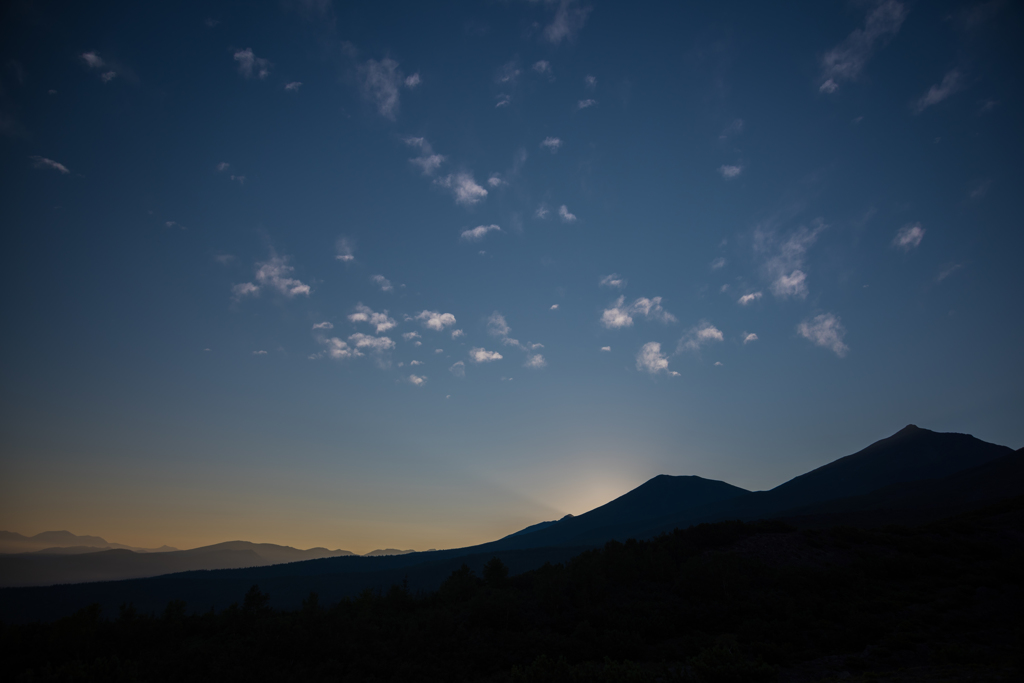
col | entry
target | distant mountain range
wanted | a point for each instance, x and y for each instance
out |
(912, 477)
(64, 542)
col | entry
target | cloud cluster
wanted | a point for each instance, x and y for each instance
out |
(479, 232)
(908, 237)
(620, 315)
(249, 65)
(463, 187)
(651, 360)
(434, 320)
(428, 161)
(380, 321)
(845, 61)
(498, 327)
(702, 334)
(826, 331)
(274, 274)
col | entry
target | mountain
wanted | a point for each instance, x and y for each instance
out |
(383, 552)
(11, 542)
(84, 564)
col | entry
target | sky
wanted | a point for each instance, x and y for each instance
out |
(417, 275)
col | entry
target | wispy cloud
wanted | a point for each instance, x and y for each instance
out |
(718, 263)
(747, 299)
(508, 72)
(590, 82)
(650, 359)
(323, 326)
(481, 355)
(417, 380)
(39, 162)
(825, 330)
(496, 180)
(274, 274)
(503, 101)
(259, 353)
(785, 258)
(381, 83)
(458, 333)
(293, 86)
(563, 213)
(463, 187)
(730, 172)
(345, 250)
(380, 321)
(371, 343)
(732, 130)
(479, 232)
(338, 349)
(845, 61)
(541, 212)
(223, 166)
(908, 237)
(436, 321)
(551, 144)
(543, 67)
(382, 282)
(614, 281)
(583, 104)
(428, 161)
(458, 369)
(409, 336)
(702, 334)
(249, 65)
(620, 315)
(947, 271)
(567, 23)
(749, 338)
(108, 72)
(535, 361)
(606, 348)
(951, 82)
(413, 81)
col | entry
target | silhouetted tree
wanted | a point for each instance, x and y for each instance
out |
(495, 572)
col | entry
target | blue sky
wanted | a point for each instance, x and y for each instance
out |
(406, 275)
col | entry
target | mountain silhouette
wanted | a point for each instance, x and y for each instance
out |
(53, 541)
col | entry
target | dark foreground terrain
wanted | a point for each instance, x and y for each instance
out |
(730, 601)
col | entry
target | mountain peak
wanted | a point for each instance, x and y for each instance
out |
(909, 429)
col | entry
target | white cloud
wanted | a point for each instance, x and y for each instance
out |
(614, 280)
(497, 326)
(259, 353)
(620, 315)
(590, 82)
(417, 380)
(508, 73)
(583, 104)
(365, 341)
(651, 359)
(108, 76)
(382, 282)
(44, 163)
(496, 180)
(480, 355)
(433, 320)
(239, 178)
(785, 263)
(93, 60)
(223, 166)
(275, 274)
(947, 271)
(478, 233)
(542, 67)
(567, 23)
(380, 84)
(825, 330)
(750, 338)
(551, 144)
(747, 299)
(293, 86)
(718, 263)
(730, 172)
(535, 361)
(700, 335)
(458, 369)
(718, 364)
(409, 336)
(554, 307)
(541, 212)
(607, 348)
(346, 250)
(463, 187)
(457, 333)
(427, 161)
(323, 326)
(503, 101)
(380, 321)
(563, 213)
(250, 65)
(438, 350)
(950, 84)
(909, 236)
(845, 61)
(244, 289)
(338, 349)
(413, 81)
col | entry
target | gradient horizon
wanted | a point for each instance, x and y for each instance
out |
(233, 230)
